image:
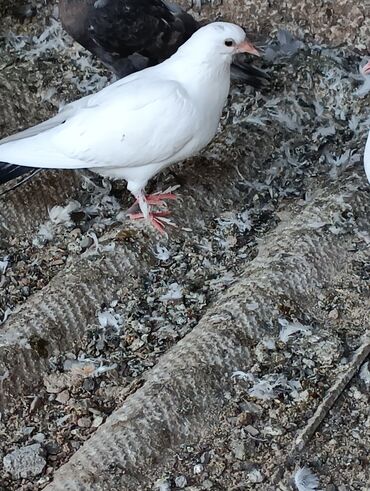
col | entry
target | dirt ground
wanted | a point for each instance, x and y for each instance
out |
(301, 134)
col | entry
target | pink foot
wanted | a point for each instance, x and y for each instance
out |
(156, 219)
(158, 198)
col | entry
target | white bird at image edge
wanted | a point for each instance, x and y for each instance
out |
(140, 124)
(366, 71)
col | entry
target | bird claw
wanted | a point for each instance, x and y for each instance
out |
(156, 218)
(158, 199)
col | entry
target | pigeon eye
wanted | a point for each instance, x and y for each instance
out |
(229, 43)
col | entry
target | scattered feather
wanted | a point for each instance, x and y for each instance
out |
(365, 373)
(305, 480)
(290, 121)
(289, 329)
(108, 318)
(324, 132)
(104, 369)
(242, 220)
(174, 293)
(163, 485)
(239, 374)
(266, 387)
(162, 253)
(6, 315)
(4, 264)
(62, 214)
(286, 46)
(44, 234)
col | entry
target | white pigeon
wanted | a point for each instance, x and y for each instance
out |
(366, 71)
(140, 124)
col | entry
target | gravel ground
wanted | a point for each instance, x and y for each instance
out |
(266, 407)
(314, 116)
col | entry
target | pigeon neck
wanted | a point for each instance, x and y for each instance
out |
(205, 80)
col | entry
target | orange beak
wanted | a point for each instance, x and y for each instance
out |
(247, 47)
(366, 69)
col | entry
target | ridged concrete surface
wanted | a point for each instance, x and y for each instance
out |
(57, 316)
(183, 393)
(22, 210)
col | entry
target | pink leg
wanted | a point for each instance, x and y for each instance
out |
(158, 198)
(155, 219)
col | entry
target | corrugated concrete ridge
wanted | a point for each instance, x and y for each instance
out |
(60, 312)
(57, 316)
(183, 393)
(22, 210)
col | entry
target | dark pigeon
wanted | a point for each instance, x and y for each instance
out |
(129, 35)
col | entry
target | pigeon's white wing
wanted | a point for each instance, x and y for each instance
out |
(136, 124)
(66, 112)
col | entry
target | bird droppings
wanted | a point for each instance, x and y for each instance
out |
(302, 134)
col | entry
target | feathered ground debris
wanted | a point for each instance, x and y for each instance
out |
(301, 135)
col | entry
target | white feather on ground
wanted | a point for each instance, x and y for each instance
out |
(305, 480)
(4, 264)
(290, 329)
(365, 373)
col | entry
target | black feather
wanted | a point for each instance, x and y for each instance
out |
(10, 171)
(18, 183)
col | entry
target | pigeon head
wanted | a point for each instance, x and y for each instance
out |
(366, 69)
(218, 39)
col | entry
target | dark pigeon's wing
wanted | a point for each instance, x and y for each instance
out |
(127, 35)
(130, 35)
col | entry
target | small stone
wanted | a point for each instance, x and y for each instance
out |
(198, 469)
(245, 418)
(84, 422)
(207, 484)
(39, 437)
(252, 430)
(25, 462)
(35, 404)
(205, 458)
(55, 382)
(86, 242)
(255, 476)
(76, 232)
(27, 430)
(53, 448)
(238, 449)
(89, 384)
(63, 397)
(98, 420)
(181, 481)
(333, 314)
(137, 344)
